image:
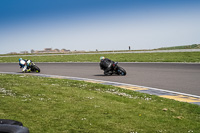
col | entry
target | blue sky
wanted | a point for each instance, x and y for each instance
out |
(97, 24)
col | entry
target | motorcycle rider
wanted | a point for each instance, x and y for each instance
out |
(106, 65)
(25, 64)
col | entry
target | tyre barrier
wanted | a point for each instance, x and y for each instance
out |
(11, 126)
(10, 122)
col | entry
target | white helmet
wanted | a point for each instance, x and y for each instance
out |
(102, 58)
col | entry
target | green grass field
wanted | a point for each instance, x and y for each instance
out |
(125, 57)
(193, 46)
(47, 105)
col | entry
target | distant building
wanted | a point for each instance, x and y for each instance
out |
(48, 49)
(64, 50)
(23, 52)
(56, 50)
(39, 51)
(12, 53)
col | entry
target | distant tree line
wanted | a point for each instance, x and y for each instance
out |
(193, 46)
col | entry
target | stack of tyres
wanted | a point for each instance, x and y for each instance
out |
(12, 126)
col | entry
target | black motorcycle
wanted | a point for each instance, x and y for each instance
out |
(32, 68)
(117, 70)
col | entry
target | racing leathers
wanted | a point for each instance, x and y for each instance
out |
(107, 65)
(25, 64)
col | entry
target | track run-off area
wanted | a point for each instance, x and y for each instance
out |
(178, 81)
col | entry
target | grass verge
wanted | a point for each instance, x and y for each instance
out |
(124, 57)
(50, 105)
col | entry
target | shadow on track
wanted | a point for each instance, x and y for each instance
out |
(102, 75)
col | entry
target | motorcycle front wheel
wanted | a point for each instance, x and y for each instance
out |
(121, 71)
(35, 68)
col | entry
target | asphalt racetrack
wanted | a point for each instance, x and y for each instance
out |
(178, 77)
